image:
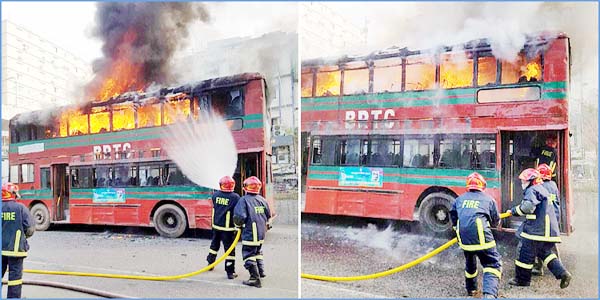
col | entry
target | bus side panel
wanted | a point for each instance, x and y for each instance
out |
(200, 212)
(556, 63)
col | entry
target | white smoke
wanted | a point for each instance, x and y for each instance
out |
(204, 150)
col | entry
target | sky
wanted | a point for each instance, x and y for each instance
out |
(71, 23)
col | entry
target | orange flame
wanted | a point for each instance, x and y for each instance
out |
(531, 70)
(123, 74)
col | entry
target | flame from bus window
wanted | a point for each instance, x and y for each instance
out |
(328, 83)
(123, 75)
(532, 70)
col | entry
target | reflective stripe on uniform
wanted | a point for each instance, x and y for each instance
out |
(15, 282)
(227, 220)
(482, 244)
(547, 228)
(539, 238)
(523, 265)
(259, 257)
(518, 209)
(211, 251)
(14, 253)
(17, 240)
(531, 217)
(230, 258)
(496, 272)
(478, 247)
(480, 232)
(223, 228)
(471, 275)
(254, 232)
(549, 258)
(251, 243)
(252, 258)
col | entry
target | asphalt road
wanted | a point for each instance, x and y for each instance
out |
(141, 251)
(339, 247)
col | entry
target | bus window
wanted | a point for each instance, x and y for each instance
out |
(384, 153)
(149, 115)
(174, 176)
(350, 152)
(125, 176)
(418, 153)
(27, 173)
(420, 73)
(387, 75)
(316, 151)
(486, 69)
(228, 103)
(356, 78)
(123, 116)
(23, 133)
(177, 110)
(523, 69)
(99, 120)
(306, 82)
(45, 178)
(486, 152)
(78, 123)
(456, 70)
(80, 177)
(150, 175)
(328, 82)
(456, 153)
(14, 174)
(103, 177)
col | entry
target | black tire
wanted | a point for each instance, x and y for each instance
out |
(434, 213)
(169, 221)
(41, 216)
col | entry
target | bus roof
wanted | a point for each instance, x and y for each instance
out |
(197, 87)
(478, 44)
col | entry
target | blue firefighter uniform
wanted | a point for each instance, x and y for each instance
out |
(546, 155)
(554, 197)
(252, 212)
(16, 228)
(538, 233)
(473, 214)
(223, 228)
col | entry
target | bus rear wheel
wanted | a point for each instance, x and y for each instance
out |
(169, 221)
(434, 213)
(41, 216)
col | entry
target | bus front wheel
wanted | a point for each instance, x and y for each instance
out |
(41, 216)
(169, 221)
(434, 213)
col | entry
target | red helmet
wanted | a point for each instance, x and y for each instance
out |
(545, 171)
(531, 174)
(252, 185)
(10, 191)
(226, 184)
(476, 182)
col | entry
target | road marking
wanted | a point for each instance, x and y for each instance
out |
(353, 292)
(233, 284)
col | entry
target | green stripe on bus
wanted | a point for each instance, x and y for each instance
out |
(409, 180)
(555, 85)
(554, 95)
(416, 171)
(151, 189)
(409, 103)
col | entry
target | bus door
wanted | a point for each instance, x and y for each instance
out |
(519, 151)
(248, 165)
(60, 191)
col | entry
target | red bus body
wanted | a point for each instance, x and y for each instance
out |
(441, 113)
(139, 146)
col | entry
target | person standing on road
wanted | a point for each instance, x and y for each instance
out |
(253, 214)
(16, 228)
(473, 215)
(538, 233)
(224, 201)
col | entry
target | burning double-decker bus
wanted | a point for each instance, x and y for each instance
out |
(392, 135)
(103, 163)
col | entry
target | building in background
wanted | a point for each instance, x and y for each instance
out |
(36, 74)
(275, 56)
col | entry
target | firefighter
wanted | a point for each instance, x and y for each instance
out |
(224, 201)
(254, 215)
(550, 186)
(16, 228)
(547, 153)
(473, 215)
(538, 233)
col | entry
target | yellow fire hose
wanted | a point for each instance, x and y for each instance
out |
(137, 277)
(394, 270)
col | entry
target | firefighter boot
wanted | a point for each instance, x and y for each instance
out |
(538, 268)
(516, 282)
(230, 269)
(261, 268)
(565, 279)
(254, 279)
(211, 259)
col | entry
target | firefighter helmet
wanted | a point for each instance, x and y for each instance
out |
(252, 185)
(476, 182)
(226, 184)
(530, 176)
(10, 191)
(545, 171)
